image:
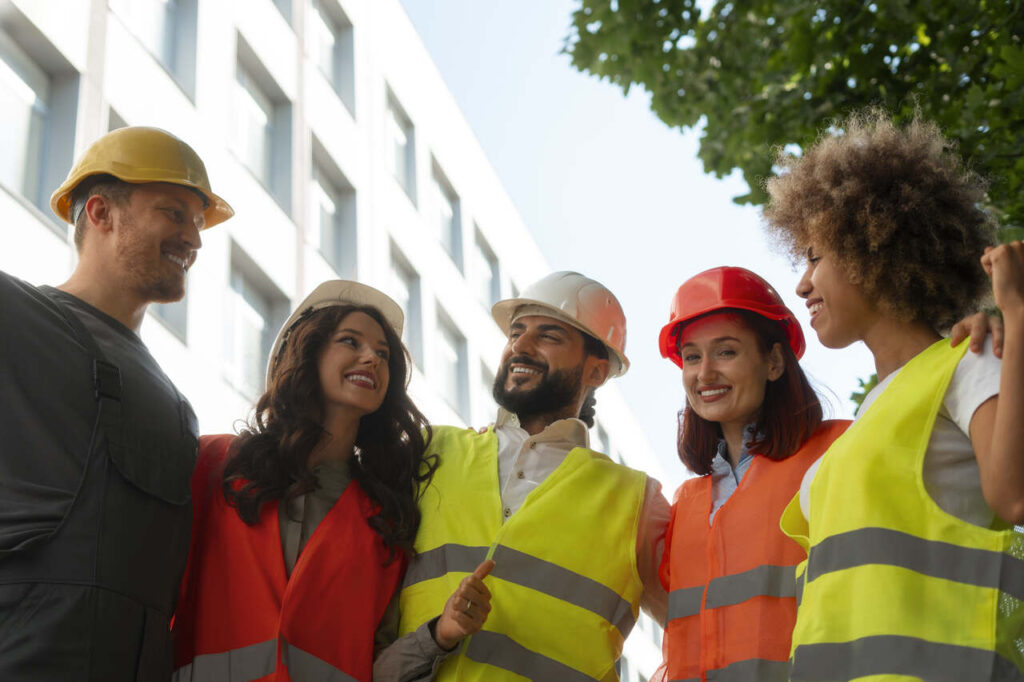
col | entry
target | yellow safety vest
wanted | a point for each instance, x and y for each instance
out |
(895, 588)
(565, 585)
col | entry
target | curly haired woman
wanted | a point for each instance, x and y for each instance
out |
(914, 568)
(303, 522)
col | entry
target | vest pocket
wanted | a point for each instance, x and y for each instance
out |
(156, 454)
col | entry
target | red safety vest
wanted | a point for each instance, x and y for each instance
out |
(240, 617)
(732, 584)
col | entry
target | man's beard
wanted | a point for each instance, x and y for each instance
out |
(555, 392)
(145, 279)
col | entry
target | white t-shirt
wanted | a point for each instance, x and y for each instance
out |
(950, 473)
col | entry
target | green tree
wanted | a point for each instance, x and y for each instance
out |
(761, 74)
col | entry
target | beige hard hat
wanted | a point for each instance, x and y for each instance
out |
(338, 292)
(138, 154)
(576, 300)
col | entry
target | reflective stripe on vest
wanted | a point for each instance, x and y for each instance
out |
(565, 591)
(522, 569)
(256, 661)
(732, 584)
(504, 652)
(758, 669)
(981, 567)
(763, 581)
(893, 585)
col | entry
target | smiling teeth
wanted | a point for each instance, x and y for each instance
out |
(716, 391)
(815, 309)
(180, 262)
(360, 379)
(525, 370)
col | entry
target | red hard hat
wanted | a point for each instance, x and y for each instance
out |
(721, 288)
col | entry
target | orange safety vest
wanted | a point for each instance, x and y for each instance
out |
(732, 583)
(240, 617)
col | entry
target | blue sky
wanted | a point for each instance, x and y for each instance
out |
(608, 189)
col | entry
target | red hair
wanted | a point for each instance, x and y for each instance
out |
(790, 413)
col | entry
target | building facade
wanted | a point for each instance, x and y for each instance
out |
(328, 128)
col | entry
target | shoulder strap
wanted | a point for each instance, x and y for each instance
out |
(106, 376)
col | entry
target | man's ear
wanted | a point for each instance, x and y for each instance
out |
(776, 362)
(98, 211)
(595, 371)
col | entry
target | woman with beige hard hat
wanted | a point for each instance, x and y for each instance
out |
(305, 520)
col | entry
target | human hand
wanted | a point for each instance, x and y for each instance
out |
(1004, 264)
(466, 610)
(481, 430)
(977, 327)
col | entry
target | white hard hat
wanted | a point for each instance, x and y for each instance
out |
(338, 292)
(576, 300)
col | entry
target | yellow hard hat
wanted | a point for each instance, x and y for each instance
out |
(139, 154)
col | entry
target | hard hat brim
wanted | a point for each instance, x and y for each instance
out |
(215, 213)
(669, 336)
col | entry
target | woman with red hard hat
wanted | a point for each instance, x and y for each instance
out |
(751, 427)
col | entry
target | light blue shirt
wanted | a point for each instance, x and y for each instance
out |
(724, 478)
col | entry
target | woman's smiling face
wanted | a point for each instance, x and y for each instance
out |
(726, 369)
(840, 313)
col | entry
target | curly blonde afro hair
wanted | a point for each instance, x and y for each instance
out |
(897, 211)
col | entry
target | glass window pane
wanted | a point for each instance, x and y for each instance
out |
(254, 116)
(24, 94)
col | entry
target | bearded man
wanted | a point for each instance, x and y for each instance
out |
(96, 444)
(570, 540)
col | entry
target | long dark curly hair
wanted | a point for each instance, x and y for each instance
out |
(270, 458)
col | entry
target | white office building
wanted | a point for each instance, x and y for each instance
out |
(328, 128)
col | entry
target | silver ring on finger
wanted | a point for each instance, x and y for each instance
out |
(469, 605)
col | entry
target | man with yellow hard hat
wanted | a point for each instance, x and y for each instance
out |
(97, 444)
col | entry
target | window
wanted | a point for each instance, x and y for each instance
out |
(447, 216)
(285, 8)
(24, 108)
(114, 120)
(167, 28)
(450, 364)
(262, 126)
(38, 108)
(174, 316)
(404, 287)
(332, 215)
(402, 147)
(254, 312)
(486, 275)
(332, 48)
(486, 408)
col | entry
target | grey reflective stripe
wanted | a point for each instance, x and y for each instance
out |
(436, 562)
(761, 581)
(800, 587)
(237, 665)
(684, 602)
(551, 579)
(981, 567)
(524, 569)
(305, 667)
(504, 652)
(760, 669)
(896, 655)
